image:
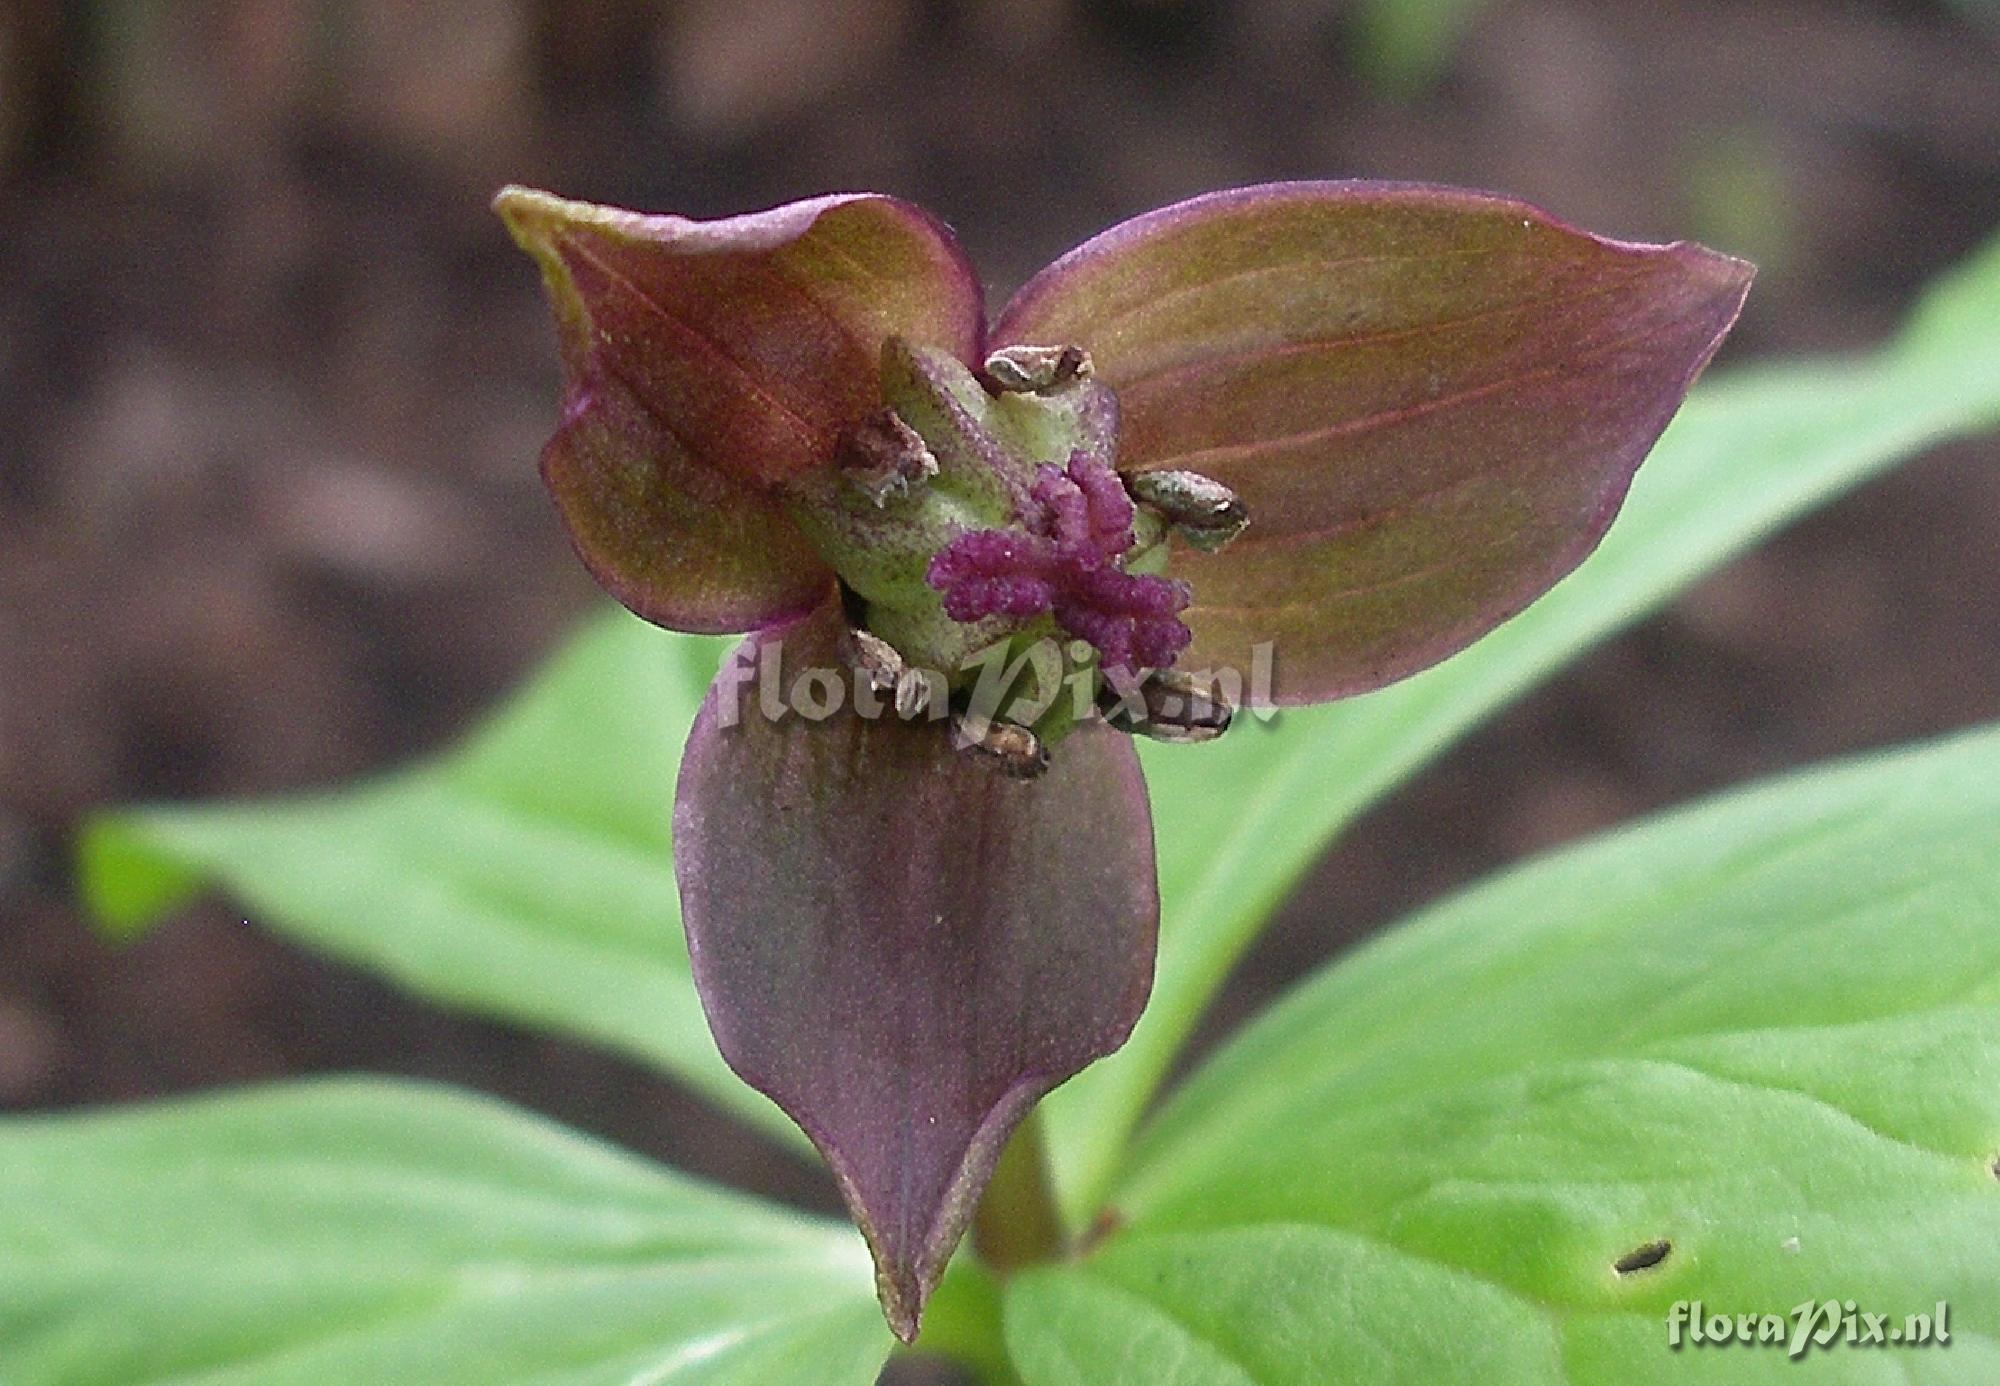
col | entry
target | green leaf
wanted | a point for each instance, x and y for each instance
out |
(529, 875)
(1239, 820)
(1404, 46)
(1765, 1031)
(356, 1231)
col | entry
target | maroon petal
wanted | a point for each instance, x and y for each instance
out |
(902, 947)
(680, 544)
(706, 362)
(1431, 402)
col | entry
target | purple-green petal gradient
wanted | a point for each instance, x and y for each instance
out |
(682, 545)
(902, 947)
(706, 362)
(1431, 401)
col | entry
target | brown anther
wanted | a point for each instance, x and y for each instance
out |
(917, 692)
(1014, 750)
(875, 657)
(1200, 509)
(882, 457)
(1177, 707)
(1037, 369)
(912, 692)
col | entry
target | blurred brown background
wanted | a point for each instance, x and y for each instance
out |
(272, 382)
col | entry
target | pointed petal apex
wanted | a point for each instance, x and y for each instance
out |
(902, 948)
(1430, 401)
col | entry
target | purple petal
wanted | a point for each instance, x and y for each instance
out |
(1431, 402)
(706, 362)
(903, 948)
(681, 545)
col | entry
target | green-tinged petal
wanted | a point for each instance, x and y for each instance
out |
(706, 362)
(681, 544)
(1431, 401)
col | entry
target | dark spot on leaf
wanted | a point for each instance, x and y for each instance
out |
(1643, 1257)
(1106, 1223)
(1995, 1166)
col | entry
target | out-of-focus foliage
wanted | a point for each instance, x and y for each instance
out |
(1404, 45)
(528, 875)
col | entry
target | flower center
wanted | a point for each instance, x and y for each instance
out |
(973, 516)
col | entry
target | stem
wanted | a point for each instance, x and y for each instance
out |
(1016, 1223)
(962, 1325)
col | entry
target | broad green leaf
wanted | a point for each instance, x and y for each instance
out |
(1239, 820)
(528, 875)
(1404, 46)
(354, 1231)
(1765, 1031)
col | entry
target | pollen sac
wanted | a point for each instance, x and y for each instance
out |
(1016, 751)
(1166, 705)
(1199, 509)
(882, 457)
(1037, 369)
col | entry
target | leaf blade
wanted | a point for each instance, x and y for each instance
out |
(356, 1230)
(526, 875)
(1241, 819)
(1762, 1031)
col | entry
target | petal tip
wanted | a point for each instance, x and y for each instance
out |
(902, 1304)
(528, 214)
(1725, 277)
(535, 219)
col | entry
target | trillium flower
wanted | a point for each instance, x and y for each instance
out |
(1286, 443)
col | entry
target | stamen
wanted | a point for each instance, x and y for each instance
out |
(1037, 369)
(1201, 510)
(1167, 706)
(1016, 751)
(911, 691)
(883, 457)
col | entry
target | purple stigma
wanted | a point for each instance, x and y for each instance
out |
(1067, 563)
